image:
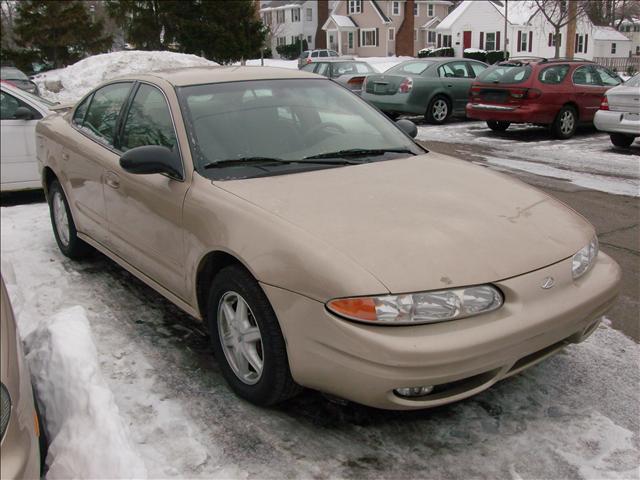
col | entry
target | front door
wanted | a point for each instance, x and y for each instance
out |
(588, 91)
(456, 80)
(466, 39)
(144, 212)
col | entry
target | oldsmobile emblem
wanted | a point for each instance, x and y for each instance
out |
(548, 283)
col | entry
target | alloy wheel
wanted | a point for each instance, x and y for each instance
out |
(567, 122)
(440, 110)
(61, 219)
(240, 338)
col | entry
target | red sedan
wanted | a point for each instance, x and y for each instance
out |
(558, 93)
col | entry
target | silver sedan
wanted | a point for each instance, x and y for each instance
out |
(619, 113)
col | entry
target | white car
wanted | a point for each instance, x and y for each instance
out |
(619, 113)
(19, 114)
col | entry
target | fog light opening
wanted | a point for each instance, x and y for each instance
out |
(414, 391)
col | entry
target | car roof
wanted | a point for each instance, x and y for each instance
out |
(340, 59)
(181, 77)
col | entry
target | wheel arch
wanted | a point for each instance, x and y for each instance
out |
(573, 105)
(48, 176)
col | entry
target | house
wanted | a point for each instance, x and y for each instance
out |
(378, 28)
(630, 28)
(288, 21)
(481, 25)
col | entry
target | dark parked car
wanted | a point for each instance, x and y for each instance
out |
(18, 79)
(349, 73)
(434, 87)
(559, 93)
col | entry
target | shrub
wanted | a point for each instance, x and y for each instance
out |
(631, 70)
(475, 54)
(292, 50)
(436, 52)
(266, 53)
(496, 56)
(424, 52)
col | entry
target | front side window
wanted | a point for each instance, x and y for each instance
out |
(553, 75)
(355, 6)
(477, 68)
(148, 121)
(9, 104)
(322, 69)
(607, 77)
(290, 120)
(586, 75)
(454, 70)
(102, 115)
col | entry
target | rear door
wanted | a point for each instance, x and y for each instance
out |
(456, 79)
(588, 91)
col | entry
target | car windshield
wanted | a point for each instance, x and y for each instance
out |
(411, 68)
(284, 120)
(12, 74)
(505, 74)
(633, 81)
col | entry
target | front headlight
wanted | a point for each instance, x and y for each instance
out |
(583, 260)
(5, 409)
(419, 308)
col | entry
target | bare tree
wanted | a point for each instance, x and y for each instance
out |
(8, 11)
(560, 13)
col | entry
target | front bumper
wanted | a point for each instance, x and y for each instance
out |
(366, 363)
(526, 113)
(616, 122)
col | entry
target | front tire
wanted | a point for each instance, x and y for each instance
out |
(565, 124)
(64, 228)
(497, 126)
(438, 111)
(247, 340)
(621, 140)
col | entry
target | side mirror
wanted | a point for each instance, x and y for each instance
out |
(408, 127)
(23, 113)
(151, 159)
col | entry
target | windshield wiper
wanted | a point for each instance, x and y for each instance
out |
(360, 152)
(266, 161)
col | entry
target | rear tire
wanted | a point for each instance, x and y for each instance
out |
(438, 111)
(498, 126)
(64, 228)
(253, 357)
(621, 140)
(565, 124)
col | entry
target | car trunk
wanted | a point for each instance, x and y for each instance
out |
(424, 222)
(383, 84)
(624, 99)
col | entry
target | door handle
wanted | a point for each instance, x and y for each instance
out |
(112, 180)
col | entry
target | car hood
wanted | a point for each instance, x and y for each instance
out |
(424, 222)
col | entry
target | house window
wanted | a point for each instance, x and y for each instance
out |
(431, 36)
(295, 14)
(280, 16)
(368, 37)
(392, 34)
(309, 40)
(579, 43)
(416, 9)
(309, 12)
(430, 10)
(613, 48)
(446, 40)
(490, 43)
(523, 41)
(552, 40)
(281, 41)
(395, 8)
(350, 40)
(355, 6)
(266, 18)
(415, 35)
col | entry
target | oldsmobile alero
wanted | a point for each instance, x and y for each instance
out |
(320, 245)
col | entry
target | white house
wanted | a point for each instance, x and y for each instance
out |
(289, 20)
(631, 30)
(481, 24)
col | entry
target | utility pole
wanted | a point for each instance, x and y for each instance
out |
(506, 31)
(571, 30)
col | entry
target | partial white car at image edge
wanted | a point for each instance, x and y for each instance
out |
(619, 113)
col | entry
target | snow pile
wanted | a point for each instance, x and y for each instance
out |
(474, 50)
(71, 83)
(88, 438)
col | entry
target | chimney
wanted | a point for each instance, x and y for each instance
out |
(404, 35)
(323, 15)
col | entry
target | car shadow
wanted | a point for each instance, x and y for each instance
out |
(10, 199)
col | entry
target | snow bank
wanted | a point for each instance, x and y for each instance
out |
(71, 83)
(88, 438)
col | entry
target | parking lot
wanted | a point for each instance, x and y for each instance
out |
(570, 416)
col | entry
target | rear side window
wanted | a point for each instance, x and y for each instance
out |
(553, 75)
(81, 110)
(505, 74)
(314, 54)
(586, 75)
(148, 121)
(453, 70)
(324, 53)
(102, 116)
(413, 68)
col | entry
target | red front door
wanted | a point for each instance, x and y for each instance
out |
(466, 39)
